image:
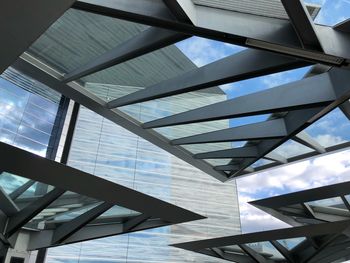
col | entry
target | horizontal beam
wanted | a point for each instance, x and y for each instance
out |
(241, 152)
(46, 75)
(145, 42)
(270, 129)
(243, 65)
(303, 24)
(295, 95)
(20, 28)
(306, 140)
(276, 35)
(18, 220)
(69, 228)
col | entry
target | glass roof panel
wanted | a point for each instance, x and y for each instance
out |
(332, 129)
(78, 37)
(117, 212)
(291, 149)
(332, 11)
(291, 243)
(266, 250)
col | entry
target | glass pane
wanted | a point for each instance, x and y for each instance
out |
(329, 202)
(291, 149)
(78, 37)
(266, 250)
(291, 242)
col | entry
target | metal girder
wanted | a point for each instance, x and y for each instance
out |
(284, 252)
(243, 65)
(254, 255)
(43, 239)
(231, 167)
(277, 35)
(20, 28)
(134, 222)
(69, 228)
(270, 129)
(303, 24)
(275, 157)
(18, 220)
(346, 202)
(145, 42)
(214, 252)
(241, 152)
(343, 26)
(16, 161)
(345, 108)
(7, 206)
(295, 95)
(308, 210)
(20, 190)
(305, 139)
(74, 91)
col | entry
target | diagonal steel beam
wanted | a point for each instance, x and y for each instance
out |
(69, 228)
(343, 26)
(253, 254)
(20, 28)
(275, 157)
(284, 252)
(145, 42)
(7, 206)
(243, 65)
(345, 108)
(270, 129)
(303, 24)
(134, 222)
(20, 190)
(295, 95)
(26, 214)
(232, 167)
(305, 139)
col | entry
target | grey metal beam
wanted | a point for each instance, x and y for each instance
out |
(345, 108)
(243, 65)
(7, 206)
(134, 222)
(277, 35)
(69, 228)
(306, 140)
(275, 157)
(241, 152)
(303, 24)
(346, 202)
(145, 42)
(20, 28)
(270, 129)
(284, 252)
(308, 210)
(74, 91)
(16, 161)
(231, 167)
(253, 254)
(241, 258)
(20, 190)
(295, 95)
(343, 26)
(18, 220)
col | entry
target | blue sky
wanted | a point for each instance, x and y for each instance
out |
(331, 129)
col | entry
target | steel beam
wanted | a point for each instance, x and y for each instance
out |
(134, 222)
(345, 108)
(284, 252)
(7, 206)
(20, 190)
(266, 130)
(303, 24)
(306, 140)
(16, 161)
(69, 228)
(74, 91)
(343, 26)
(20, 28)
(243, 65)
(26, 214)
(295, 95)
(275, 157)
(253, 254)
(277, 35)
(241, 152)
(145, 42)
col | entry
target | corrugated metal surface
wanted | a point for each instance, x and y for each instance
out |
(269, 8)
